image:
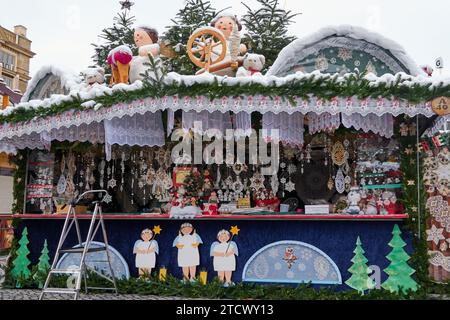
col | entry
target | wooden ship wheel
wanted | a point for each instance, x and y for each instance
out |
(205, 43)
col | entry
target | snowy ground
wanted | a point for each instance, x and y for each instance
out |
(34, 295)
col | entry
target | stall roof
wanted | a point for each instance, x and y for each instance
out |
(313, 92)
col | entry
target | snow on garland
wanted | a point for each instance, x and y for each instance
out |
(300, 85)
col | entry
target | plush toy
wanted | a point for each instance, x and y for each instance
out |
(252, 66)
(128, 68)
(119, 59)
(146, 39)
(94, 75)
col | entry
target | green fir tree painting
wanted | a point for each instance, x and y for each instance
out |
(360, 279)
(21, 271)
(43, 266)
(399, 272)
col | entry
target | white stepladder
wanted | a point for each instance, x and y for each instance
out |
(83, 248)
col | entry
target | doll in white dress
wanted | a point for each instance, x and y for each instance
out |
(187, 244)
(224, 253)
(146, 251)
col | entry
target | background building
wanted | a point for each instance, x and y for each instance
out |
(15, 56)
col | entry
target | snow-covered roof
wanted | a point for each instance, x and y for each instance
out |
(69, 79)
(288, 55)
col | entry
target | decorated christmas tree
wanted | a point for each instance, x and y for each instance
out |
(43, 266)
(195, 14)
(360, 279)
(399, 271)
(267, 28)
(193, 183)
(121, 33)
(20, 270)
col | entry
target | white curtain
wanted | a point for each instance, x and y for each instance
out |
(137, 130)
(290, 126)
(381, 125)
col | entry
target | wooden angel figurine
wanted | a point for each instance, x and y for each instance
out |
(146, 251)
(187, 244)
(224, 253)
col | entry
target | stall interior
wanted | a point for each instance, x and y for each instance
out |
(335, 171)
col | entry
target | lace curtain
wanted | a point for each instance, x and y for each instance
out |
(323, 122)
(209, 120)
(94, 133)
(381, 125)
(138, 130)
(242, 121)
(290, 126)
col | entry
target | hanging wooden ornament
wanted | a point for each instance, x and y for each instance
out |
(338, 154)
(274, 183)
(339, 181)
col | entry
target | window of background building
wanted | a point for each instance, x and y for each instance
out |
(8, 60)
(8, 81)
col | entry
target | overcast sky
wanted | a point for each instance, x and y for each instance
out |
(62, 30)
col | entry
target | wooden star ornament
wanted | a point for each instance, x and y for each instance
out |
(235, 230)
(157, 230)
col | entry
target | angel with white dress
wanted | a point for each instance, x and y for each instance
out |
(146, 251)
(187, 244)
(224, 253)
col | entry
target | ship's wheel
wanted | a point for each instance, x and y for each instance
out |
(205, 43)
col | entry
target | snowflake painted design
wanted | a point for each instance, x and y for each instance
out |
(283, 180)
(435, 234)
(261, 268)
(290, 275)
(345, 54)
(277, 266)
(321, 63)
(357, 63)
(306, 254)
(273, 253)
(333, 60)
(321, 267)
(301, 267)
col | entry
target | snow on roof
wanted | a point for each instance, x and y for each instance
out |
(288, 54)
(69, 79)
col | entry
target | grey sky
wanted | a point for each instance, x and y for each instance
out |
(62, 30)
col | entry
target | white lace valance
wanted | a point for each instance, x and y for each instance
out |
(290, 126)
(247, 104)
(381, 125)
(138, 130)
(94, 133)
(323, 122)
(209, 120)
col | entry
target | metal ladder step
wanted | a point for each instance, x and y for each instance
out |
(65, 271)
(81, 249)
(60, 290)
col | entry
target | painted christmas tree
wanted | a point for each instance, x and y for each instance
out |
(20, 270)
(399, 271)
(360, 279)
(43, 266)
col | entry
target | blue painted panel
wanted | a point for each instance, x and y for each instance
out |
(335, 238)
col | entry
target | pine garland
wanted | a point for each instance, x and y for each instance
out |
(325, 87)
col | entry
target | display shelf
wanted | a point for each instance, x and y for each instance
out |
(293, 216)
(383, 186)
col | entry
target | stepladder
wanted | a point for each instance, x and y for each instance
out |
(82, 272)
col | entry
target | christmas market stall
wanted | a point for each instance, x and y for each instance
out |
(307, 171)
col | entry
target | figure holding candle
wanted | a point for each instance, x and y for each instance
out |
(187, 244)
(224, 252)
